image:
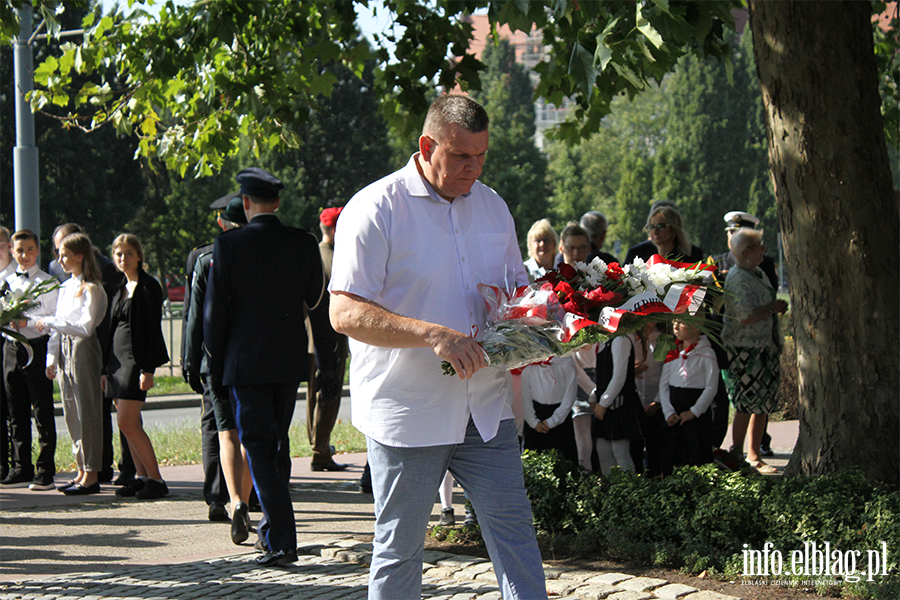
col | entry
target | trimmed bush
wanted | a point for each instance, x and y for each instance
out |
(703, 518)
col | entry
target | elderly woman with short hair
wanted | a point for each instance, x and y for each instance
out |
(752, 335)
(542, 242)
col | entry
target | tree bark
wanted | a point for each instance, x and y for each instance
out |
(840, 224)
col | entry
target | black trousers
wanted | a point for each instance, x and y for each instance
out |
(29, 392)
(214, 488)
(5, 453)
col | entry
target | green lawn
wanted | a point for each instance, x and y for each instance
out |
(180, 445)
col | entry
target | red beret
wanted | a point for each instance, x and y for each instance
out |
(329, 216)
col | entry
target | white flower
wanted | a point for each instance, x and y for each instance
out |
(680, 275)
(660, 275)
(593, 278)
(598, 265)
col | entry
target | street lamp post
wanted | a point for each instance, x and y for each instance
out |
(25, 154)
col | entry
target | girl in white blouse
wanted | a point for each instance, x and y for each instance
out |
(74, 354)
(687, 388)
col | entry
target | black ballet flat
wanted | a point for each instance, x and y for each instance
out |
(80, 490)
(65, 486)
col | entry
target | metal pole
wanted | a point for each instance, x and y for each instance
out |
(25, 154)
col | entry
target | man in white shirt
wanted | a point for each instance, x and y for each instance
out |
(27, 387)
(413, 248)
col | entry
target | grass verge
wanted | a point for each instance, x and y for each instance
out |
(180, 444)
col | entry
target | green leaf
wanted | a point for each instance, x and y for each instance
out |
(664, 5)
(647, 29)
(581, 68)
(603, 53)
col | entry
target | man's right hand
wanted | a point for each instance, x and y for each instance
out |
(462, 352)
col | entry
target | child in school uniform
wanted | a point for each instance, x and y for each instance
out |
(548, 393)
(615, 405)
(27, 390)
(74, 355)
(689, 382)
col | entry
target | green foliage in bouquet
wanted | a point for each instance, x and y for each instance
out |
(510, 345)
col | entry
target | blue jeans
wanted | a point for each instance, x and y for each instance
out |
(405, 482)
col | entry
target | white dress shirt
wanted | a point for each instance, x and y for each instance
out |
(409, 250)
(76, 315)
(698, 370)
(46, 303)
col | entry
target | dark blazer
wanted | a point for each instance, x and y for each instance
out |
(186, 323)
(147, 342)
(253, 325)
(193, 358)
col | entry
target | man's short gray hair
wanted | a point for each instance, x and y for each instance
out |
(594, 221)
(454, 109)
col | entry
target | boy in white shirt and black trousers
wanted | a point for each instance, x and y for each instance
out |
(690, 379)
(27, 387)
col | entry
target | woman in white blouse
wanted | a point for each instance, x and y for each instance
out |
(74, 354)
(542, 241)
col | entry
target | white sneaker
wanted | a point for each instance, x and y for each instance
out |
(42, 484)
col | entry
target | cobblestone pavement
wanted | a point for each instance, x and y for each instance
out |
(332, 570)
(57, 547)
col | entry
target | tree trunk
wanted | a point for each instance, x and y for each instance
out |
(840, 223)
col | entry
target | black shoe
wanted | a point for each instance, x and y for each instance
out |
(105, 476)
(329, 466)
(80, 490)
(365, 482)
(217, 511)
(260, 546)
(124, 479)
(152, 490)
(17, 479)
(277, 558)
(240, 523)
(65, 486)
(131, 488)
(766, 452)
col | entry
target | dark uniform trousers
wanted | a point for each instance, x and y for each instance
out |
(27, 390)
(321, 408)
(263, 413)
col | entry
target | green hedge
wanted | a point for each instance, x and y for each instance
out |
(702, 518)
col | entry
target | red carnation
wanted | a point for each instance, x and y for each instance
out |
(603, 297)
(567, 272)
(614, 272)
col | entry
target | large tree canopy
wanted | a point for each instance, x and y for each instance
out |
(202, 78)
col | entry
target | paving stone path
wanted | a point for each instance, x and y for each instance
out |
(332, 570)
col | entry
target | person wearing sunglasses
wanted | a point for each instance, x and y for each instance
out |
(666, 236)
